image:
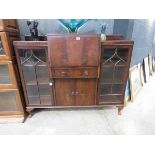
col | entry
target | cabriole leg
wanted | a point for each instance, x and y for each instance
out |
(120, 108)
(29, 111)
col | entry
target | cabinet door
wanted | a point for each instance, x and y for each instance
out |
(113, 76)
(5, 49)
(74, 50)
(35, 76)
(64, 92)
(85, 92)
(7, 75)
(75, 92)
(10, 102)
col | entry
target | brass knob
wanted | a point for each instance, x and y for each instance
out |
(85, 73)
(63, 73)
(50, 83)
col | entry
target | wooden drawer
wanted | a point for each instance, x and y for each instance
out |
(9, 25)
(75, 73)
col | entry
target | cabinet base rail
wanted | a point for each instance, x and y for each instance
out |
(30, 109)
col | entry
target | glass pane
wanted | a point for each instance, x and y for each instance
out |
(4, 74)
(29, 75)
(119, 74)
(105, 89)
(44, 90)
(1, 48)
(8, 101)
(110, 99)
(115, 56)
(33, 94)
(45, 99)
(117, 88)
(34, 100)
(42, 73)
(107, 74)
(32, 90)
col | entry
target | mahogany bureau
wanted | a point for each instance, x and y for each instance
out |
(73, 70)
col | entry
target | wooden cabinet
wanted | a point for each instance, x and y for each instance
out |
(11, 96)
(73, 71)
(9, 25)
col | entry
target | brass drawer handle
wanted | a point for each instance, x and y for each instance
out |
(75, 93)
(63, 73)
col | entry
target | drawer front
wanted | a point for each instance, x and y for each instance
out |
(75, 73)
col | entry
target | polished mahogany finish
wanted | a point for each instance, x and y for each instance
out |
(74, 50)
(83, 72)
(74, 70)
(74, 61)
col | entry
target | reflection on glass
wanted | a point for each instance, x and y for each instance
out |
(8, 101)
(1, 48)
(4, 74)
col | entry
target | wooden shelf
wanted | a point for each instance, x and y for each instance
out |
(110, 83)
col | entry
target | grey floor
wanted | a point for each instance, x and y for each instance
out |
(137, 118)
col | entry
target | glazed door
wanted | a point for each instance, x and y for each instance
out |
(113, 76)
(35, 76)
(74, 50)
(5, 50)
(8, 78)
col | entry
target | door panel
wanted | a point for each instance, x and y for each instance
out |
(114, 69)
(74, 50)
(86, 92)
(75, 92)
(64, 89)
